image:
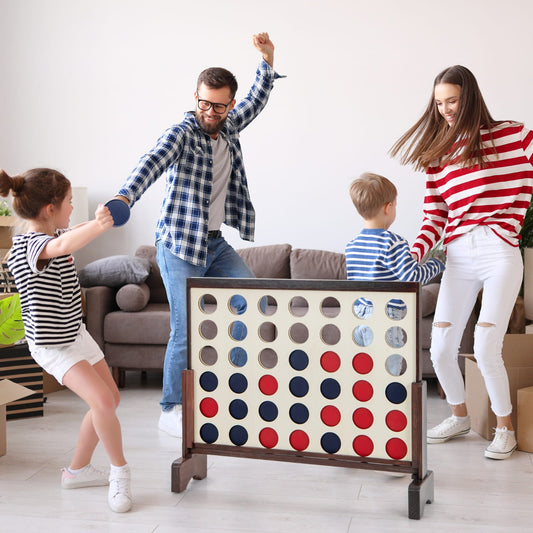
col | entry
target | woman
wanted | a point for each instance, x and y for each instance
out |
(479, 183)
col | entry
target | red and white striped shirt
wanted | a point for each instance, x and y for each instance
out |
(458, 199)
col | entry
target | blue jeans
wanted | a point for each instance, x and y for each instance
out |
(222, 261)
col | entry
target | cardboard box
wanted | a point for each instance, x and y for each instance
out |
(9, 392)
(17, 364)
(518, 359)
(6, 230)
(524, 434)
(50, 383)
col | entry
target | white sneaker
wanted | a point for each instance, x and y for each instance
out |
(448, 429)
(119, 495)
(503, 444)
(170, 421)
(88, 477)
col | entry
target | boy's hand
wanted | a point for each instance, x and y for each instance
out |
(263, 43)
(103, 217)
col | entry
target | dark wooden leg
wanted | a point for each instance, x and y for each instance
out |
(185, 468)
(119, 376)
(442, 394)
(421, 491)
(190, 465)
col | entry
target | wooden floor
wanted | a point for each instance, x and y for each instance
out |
(244, 495)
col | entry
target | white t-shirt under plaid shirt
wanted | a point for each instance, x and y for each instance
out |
(50, 298)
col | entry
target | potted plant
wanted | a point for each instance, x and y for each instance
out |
(11, 326)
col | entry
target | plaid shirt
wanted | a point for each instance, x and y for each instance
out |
(184, 153)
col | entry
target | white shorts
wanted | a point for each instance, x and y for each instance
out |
(56, 360)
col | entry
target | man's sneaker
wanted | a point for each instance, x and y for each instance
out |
(119, 495)
(448, 429)
(170, 421)
(88, 477)
(503, 444)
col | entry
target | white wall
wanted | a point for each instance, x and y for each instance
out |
(87, 86)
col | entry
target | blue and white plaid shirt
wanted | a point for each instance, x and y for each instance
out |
(184, 153)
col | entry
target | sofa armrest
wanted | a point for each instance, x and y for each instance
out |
(99, 301)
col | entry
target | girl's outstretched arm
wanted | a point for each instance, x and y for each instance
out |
(79, 236)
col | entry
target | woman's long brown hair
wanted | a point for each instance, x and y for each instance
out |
(431, 139)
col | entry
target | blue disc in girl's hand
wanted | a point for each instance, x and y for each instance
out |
(120, 211)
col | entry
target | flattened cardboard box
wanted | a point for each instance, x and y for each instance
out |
(518, 359)
(9, 392)
(524, 434)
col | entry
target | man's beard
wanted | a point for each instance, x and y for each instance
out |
(210, 129)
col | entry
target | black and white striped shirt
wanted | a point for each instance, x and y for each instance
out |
(50, 298)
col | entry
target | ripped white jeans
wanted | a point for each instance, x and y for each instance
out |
(477, 260)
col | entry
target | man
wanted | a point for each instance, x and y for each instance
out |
(206, 186)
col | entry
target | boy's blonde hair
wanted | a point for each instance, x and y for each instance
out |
(370, 192)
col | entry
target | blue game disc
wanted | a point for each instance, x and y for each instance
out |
(209, 433)
(299, 386)
(238, 383)
(238, 409)
(330, 442)
(299, 413)
(208, 381)
(120, 211)
(396, 392)
(238, 435)
(330, 388)
(268, 411)
(298, 360)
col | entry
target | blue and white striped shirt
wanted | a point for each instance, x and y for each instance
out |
(380, 255)
(184, 153)
(50, 298)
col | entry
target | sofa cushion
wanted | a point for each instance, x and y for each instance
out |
(317, 264)
(133, 297)
(428, 298)
(149, 326)
(158, 294)
(271, 261)
(115, 271)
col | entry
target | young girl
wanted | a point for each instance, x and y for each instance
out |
(479, 184)
(50, 296)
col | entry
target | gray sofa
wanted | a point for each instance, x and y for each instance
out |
(132, 323)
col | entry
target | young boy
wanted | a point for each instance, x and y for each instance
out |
(376, 253)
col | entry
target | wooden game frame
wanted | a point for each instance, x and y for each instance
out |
(193, 463)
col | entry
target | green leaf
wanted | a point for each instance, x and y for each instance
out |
(527, 229)
(11, 326)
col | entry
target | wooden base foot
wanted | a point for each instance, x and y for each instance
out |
(185, 468)
(421, 491)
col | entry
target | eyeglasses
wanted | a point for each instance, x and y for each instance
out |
(206, 105)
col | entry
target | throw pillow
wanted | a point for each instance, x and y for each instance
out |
(115, 271)
(428, 298)
(270, 261)
(133, 297)
(317, 264)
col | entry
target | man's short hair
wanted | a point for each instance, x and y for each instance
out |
(218, 77)
(370, 192)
